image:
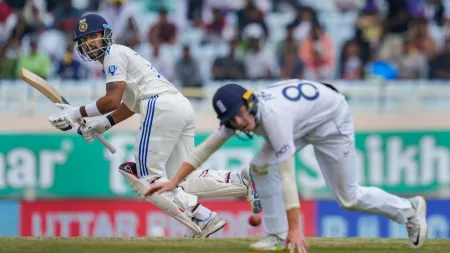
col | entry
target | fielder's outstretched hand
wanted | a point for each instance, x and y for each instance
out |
(296, 239)
(161, 187)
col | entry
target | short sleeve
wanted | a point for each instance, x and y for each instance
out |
(115, 66)
(280, 136)
(224, 132)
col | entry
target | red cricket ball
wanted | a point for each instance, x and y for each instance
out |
(254, 220)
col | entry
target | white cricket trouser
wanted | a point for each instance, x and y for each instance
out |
(335, 152)
(166, 135)
(270, 194)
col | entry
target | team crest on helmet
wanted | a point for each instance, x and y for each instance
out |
(83, 26)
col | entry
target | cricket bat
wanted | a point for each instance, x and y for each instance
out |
(47, 90)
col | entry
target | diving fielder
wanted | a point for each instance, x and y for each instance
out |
(166, 134)
(290, 115)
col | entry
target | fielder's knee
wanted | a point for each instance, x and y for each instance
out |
(268, 185)
(349, 200)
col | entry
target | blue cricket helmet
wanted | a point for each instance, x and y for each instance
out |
(229, 99)
(89, 24)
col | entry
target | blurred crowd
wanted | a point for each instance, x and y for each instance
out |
(193, 41)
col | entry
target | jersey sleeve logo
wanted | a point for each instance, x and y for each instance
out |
(112, 70)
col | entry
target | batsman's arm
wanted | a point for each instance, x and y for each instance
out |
(122, 113)
(199, 155)
(108, 103)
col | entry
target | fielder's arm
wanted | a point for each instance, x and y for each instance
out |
(108, 103)
(282, 142)
(198, 156)
(290, 193)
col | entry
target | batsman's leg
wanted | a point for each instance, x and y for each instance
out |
(222, 183)
(177, 203)
(163, 121)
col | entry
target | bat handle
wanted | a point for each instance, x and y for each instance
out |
(100, 137)
(108, 145)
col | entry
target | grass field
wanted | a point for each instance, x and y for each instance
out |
(166, 245)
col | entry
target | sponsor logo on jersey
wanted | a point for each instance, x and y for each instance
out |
(282, 150)
(265, 96)
(112, 70)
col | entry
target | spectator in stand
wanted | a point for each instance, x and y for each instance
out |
(33, 16)
(65, 11)
(70, 68)
(289, 44)
(195, 11)
(132, 37)
(188, 70)
(439, 66)
(306, 16)
(25, 24)
(8, 21)
(413, 62)
(229, 67)
(155, 6)
(251, 14)
(163, 31)
(352, 62)
(164, 65)
(213, 30)
(293, 3)
(7, 65)
(395, 27)
(37, 62)
(13, 48)
(118, 13)
(420, 36)
(369, 28)
(291, 66)
(367, 53)
(94, 5)
(259, 64)
(317, 52)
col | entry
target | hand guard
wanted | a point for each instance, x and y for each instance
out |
(65, 119)
(92, 128)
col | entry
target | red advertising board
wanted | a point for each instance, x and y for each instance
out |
(133, 218)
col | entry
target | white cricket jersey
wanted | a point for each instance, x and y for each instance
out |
(289, 110)
(121, 63)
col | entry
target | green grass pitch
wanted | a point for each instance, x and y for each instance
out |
(181, 245)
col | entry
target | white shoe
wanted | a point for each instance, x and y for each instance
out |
(209, 227)
(252, 195)
(417, 225)
(269, 243)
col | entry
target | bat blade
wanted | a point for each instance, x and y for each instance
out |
(47, 90)
(42, 86)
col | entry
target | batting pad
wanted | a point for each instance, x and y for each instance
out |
(210, 188)
(160, 200)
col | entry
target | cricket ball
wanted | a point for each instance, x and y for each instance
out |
(254, 220)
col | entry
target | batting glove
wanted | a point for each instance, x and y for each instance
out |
(94, 127)
(65, 119)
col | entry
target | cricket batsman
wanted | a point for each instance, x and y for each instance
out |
(166, 134)
(290, 115)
